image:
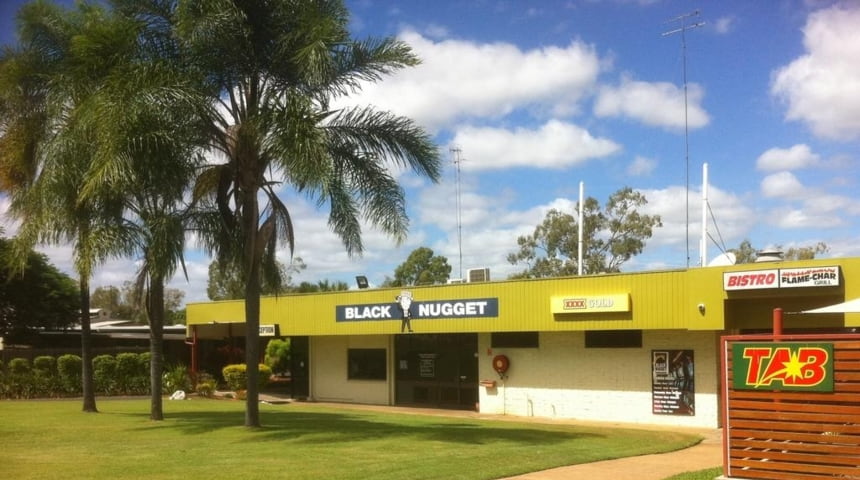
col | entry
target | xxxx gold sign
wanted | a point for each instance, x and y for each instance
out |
(590, 303)
(783, 366)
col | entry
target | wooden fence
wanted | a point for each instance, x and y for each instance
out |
(770, 433)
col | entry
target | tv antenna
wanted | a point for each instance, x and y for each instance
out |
(683, 31)
(455, 151)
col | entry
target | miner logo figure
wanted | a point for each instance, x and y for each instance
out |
(404, 301)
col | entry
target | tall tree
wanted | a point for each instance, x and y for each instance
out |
(227, 283)
(46, 153)
(126, 302)
(807, 252)
(611, 236)
(145, 115)
(273, 69)
(115, 152)
(321, 286)
(108, 298)
(422, 267)
(40, 297)
(746, 253)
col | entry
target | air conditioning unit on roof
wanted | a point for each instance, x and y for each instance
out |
(452, 281)
(478, 275)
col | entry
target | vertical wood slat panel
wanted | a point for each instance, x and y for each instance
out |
(773, 435)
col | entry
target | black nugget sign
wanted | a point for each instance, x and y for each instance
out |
(467, 308)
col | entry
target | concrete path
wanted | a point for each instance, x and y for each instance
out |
(707, 454)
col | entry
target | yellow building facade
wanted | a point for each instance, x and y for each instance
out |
(634, 347)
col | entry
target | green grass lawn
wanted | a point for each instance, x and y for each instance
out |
(205, 439)
(708, 474)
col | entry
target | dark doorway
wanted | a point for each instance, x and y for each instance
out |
(299, 356)
(438, 370)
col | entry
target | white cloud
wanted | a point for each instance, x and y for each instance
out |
(658, 104)
(805, 207)
(437, 31)
(724, 25)
(794, 158)
(822, 88)
(731, 215)
(782, 185)
(641, 166)
(460, 79)
(554, 145)
(788, 218)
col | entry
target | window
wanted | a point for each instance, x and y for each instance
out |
(613, 339)
(514, 339)
(366, 364)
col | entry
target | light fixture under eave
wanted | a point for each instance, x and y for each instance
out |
(361, 280)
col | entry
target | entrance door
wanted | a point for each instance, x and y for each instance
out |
(299, 362)
(438, 370)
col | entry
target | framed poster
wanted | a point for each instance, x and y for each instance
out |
(427, 365)
(673, 386)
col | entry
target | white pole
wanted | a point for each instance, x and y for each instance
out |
(579, 243)
(703, 248)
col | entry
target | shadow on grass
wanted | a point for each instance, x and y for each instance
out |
(329, 427)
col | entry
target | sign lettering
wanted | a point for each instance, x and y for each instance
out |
(591, 304)
(471, 308)
(782, 278)
(783, 366)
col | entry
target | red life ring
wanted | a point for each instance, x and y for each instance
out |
(501, 363)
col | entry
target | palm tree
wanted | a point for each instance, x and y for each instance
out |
(273, 69)
(44, 159)
(115, 152)
(148, 134)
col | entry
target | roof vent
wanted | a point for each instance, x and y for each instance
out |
(769, 255)
(478, 275)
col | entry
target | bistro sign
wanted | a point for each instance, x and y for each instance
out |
(468, 308)
(782, 278)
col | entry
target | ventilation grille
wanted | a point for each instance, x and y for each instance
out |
(479, 275)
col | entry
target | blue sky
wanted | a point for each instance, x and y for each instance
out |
(539, 96)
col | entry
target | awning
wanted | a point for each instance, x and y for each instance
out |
(851, 306)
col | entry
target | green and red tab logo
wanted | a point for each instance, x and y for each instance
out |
(783, 366)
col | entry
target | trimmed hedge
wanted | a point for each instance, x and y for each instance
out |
(124, 374)
(69, 370)
(234, 376)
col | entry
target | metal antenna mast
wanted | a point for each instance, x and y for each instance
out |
(456, 153)
(684, 27)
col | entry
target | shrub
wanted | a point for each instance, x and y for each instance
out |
(69, 370)
(176, 377)
(19, 380)
(236, 380)
(206, 385)
(278, 355)
(45, 379)
(45, 364)
(127, 373)
(19, 366)
(142, 381)
(104, 374)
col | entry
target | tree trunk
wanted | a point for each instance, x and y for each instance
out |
(252, 353)
(155, 307)
(252, 315)
(87, 383)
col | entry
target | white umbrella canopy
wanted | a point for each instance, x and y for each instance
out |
(851, 306)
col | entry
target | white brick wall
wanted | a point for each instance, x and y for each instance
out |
(328, 363)
(563, 379)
